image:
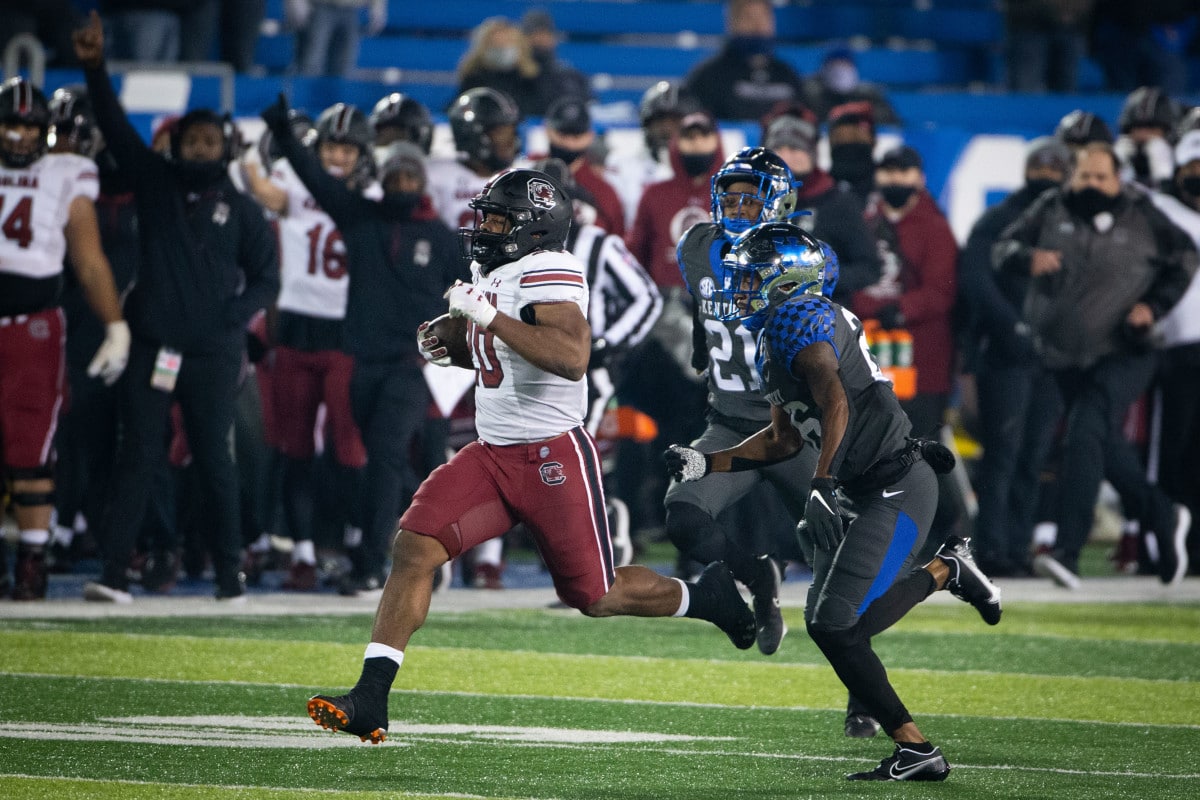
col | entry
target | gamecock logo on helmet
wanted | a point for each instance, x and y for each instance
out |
(541, 194)
(553, 473)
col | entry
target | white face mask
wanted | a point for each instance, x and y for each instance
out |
(501, 57)
(841, 76)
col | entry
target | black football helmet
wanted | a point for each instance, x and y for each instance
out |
(1150, 107)
(73, 121)
(347, 124)
(1082, 127)
(22, 103)
(409, 116)
(474, 115)
(768, 265)
(302, 129)
(764, 169)
(537, 208)
(663, 99)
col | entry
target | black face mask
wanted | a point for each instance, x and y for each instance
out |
(897, 196)
(1038, 185)
(565, 154)
(1191, 185)
(197, 175)
(399, 205)
(1089, 202)
(697, 164)
(852, 161)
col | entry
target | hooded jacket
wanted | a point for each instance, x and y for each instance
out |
(666, 211)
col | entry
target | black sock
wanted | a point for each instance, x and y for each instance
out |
(702, 604)
(376, 679)
(924, 748)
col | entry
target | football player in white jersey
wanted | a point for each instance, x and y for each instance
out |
(525, 321)
(310, 365)
(47, 212)
(484, 124)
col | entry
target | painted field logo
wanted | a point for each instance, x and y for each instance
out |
(552, 473)
(293, 732)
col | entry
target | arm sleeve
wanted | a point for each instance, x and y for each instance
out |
(1177, 261)
(342, 205)
(1013, 250)
(638, 301)
(122, 139)
(939, 275)
(258, 257)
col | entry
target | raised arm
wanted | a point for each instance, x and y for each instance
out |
(342, 204)
(123, 140)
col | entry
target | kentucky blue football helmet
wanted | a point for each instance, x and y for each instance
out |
(773, 198)
(766, 266)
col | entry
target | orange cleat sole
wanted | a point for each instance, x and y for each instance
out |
(332, 718)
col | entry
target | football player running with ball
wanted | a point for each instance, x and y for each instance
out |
(524, 317)
(827, 393)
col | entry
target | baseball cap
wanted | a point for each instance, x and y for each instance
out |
(570, 116)
(701, 120)
(852, 113)
(1188, 149)
(793, 132)
(901, 157)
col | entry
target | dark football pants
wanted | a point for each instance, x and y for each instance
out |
(869, 583)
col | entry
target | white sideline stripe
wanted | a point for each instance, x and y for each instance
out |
(247, 787)
(616, 701)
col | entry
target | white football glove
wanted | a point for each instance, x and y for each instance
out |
(1161, 158)
(431, 349)
(686, 463)
(112, 355)
(467, 300)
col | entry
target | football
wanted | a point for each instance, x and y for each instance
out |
(451, 334)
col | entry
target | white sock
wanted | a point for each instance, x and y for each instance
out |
(262, 544)
(377, 650)
(304, 552)
(684, 600)
(352, 537)
(39, 537)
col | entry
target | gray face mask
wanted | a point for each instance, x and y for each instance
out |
(501, 57)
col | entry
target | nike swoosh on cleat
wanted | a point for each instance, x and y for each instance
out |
(902, 774)
(886, 493)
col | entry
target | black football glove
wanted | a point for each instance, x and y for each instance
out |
(276, 116)
(822, 515)
(686, 464)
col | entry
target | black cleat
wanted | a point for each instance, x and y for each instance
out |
(768, 619)
(340, 713)
(967, 582)
(861, 726)
(732, 614)
(30, 573)
(906, 764)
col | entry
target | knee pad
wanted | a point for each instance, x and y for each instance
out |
(832, 638)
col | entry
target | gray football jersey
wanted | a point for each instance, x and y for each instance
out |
(877, 425)
(733, 379)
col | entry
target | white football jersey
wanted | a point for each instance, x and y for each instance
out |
(516, 402)
(35, 204)
(312, 256)
(451, 186)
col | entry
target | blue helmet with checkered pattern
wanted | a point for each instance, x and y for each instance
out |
(773, 197)
(767, 266)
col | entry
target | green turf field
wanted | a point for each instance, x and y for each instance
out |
(1062, 702)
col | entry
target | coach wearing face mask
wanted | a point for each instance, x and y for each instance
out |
(745, 78)
(1105, 265)
(571, 135)
(501, 58)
